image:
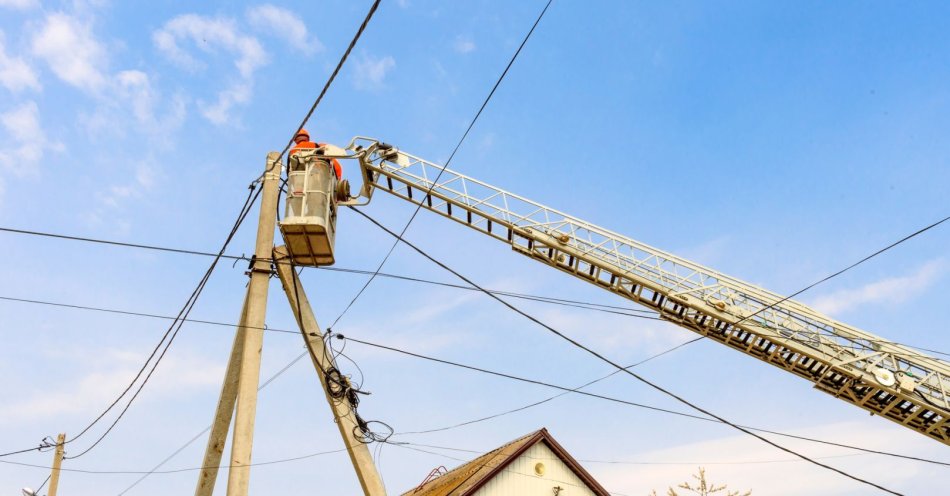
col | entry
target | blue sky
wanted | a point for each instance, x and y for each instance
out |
(774, 142)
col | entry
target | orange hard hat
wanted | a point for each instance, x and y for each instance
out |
(302, 133)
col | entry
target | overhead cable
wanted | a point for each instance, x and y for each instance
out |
(336, 70)
(158, 352)
(614, 309)
(629, 403)
(174, 471)
(619, 367)
(447, 162)
(842, 271)
(631, 462)
(197, 436)
(550, 398)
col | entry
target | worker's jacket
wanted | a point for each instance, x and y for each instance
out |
(309, 145)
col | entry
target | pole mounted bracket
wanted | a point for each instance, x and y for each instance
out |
(252, 268)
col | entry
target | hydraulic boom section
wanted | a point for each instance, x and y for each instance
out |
(880, 376)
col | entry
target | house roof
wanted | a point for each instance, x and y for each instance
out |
(467, 478)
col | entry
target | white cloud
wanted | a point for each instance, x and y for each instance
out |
(19, 4)
(71, 51)
(90, 391)
(211, 35)
(891, 290)
(464, 45)
(27, 142)
(622, 337)
(670, 466)
(220, 111)
(143, 181)
(283, 23)
(371, 72)
(136, 90)
(15, 74)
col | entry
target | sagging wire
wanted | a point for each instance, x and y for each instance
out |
(338, 386)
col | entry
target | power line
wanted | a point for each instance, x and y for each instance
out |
(172, 330)
(447, 162)
(170, 333)
(336, 70)
(156, 316)
(197, 436)
(614, 364)
(628, 462)
(600, 307)
(842, 271)
(541, 383)
(173, 471)
(135, 314)
(550, 398)
(628, 403)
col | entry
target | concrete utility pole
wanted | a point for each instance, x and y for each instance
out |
(223, 413)
(249, 374)
(244, 367)
(57, 463)
(241, 381)
(344, 417)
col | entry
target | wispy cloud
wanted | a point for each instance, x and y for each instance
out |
(19, 4)
(71, 51)
(370, 72)
(137, 92)
(26, 142)
(670, 466)
(15, 74)
(210, 35)
(464, 45)
(89, 391)
(890, 290)
(621, 337)
(284, 24)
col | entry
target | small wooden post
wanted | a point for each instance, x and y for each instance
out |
(57, 463)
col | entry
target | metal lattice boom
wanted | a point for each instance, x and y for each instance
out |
(880, 376)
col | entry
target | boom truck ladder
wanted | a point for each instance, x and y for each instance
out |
(882, 377)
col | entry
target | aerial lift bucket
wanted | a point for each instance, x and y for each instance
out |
(309, 224)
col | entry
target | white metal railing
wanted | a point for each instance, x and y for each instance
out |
(770, 314)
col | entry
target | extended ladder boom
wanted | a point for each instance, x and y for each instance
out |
(875, 374)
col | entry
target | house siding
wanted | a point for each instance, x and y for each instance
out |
(519, 478)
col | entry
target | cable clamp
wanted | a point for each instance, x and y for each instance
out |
(252, 269)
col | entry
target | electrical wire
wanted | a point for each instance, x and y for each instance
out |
(174, 471)
(628, 462)
(548, 399)
(172, 331)
(336, 70)
(287, 366)
(48, 477)
(600, 307)
(170, 334)
(842, 271)
(630, 403)
(154, 469)
(447, 162)
(540, 383)
(339, 388)
(614, 364)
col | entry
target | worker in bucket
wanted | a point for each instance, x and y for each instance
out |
(302, 142)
